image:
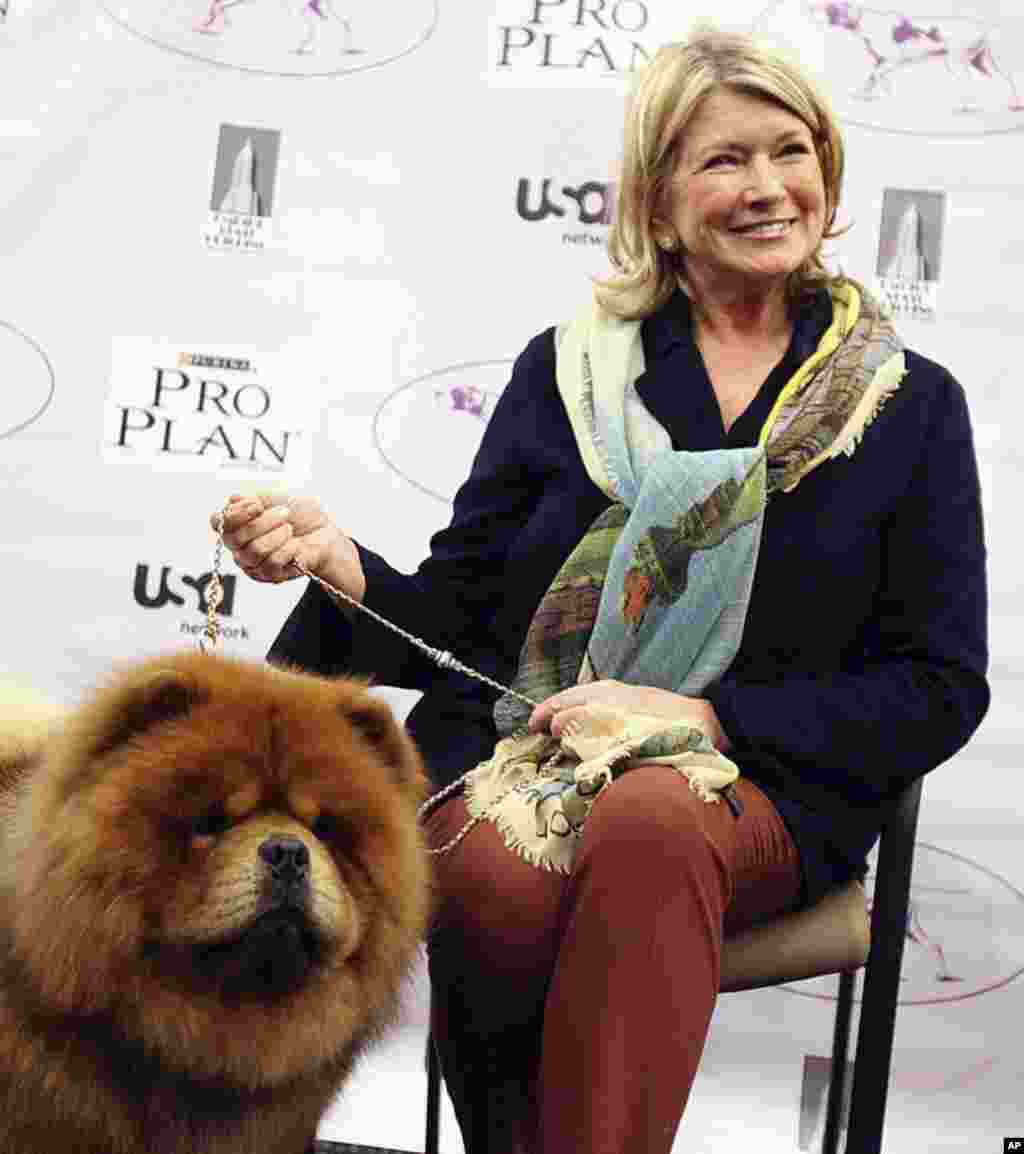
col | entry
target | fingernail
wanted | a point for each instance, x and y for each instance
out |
(279, 511)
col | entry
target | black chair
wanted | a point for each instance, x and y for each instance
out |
(835, 936)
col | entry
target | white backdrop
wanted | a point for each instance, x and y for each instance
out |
(303, 243)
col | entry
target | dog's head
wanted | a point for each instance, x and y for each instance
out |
(224, 856)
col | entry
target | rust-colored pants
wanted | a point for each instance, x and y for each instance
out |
(570, 1012)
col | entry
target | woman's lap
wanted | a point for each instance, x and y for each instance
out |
(516, 904)
(604, 978)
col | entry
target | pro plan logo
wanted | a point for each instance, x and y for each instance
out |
(579, 208)
(207, 412)
(155, 588)
(429, 430)
(577, 42)
(282, 37)
(26, 381)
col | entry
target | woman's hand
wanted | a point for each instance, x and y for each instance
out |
(268, 533)
(559, 709)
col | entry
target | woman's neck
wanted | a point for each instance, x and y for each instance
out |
(741, 315)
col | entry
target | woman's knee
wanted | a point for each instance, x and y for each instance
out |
(491, 905)
(651, 814)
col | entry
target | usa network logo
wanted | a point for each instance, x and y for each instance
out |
(156, 590)
(581, 208)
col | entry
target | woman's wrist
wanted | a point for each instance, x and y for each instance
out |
(343, 572)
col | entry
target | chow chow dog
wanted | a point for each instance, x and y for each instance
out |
(212, 884)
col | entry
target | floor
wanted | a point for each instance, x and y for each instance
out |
(958, 1066)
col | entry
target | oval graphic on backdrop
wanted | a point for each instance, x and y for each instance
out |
(26, 381)
(428, 431)
(965, 932)
(281, 37)
(914, 66)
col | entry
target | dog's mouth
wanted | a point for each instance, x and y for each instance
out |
(276, 953)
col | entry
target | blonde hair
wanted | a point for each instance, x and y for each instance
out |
(668, 92)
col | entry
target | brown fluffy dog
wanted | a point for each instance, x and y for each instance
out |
(211, 887)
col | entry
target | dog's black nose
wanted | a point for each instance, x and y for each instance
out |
(287, 857)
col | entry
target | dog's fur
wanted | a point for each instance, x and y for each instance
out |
(211, 886)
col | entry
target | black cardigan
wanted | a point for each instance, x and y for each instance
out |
(863, 659)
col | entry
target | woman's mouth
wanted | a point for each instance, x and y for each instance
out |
(766, 228)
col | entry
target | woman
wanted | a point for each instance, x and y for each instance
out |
(845, 655)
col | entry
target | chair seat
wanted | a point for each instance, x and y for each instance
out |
(827, 938)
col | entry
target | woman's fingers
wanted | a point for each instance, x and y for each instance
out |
(278, 566)
(563, 718)
(574, 696)
(561, 708)
(250, 533)
(239, 509)
(270, 533)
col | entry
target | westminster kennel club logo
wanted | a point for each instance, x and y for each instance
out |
(241, 208)
(27, 382)
(282, 37)
(914, 65)
(448, 408)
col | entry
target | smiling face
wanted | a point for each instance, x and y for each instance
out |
(747, 197)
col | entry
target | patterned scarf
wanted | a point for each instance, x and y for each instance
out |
(657, 590)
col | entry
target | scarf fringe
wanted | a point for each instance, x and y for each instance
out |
(888, 378)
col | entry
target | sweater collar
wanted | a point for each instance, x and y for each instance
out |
(672, 325)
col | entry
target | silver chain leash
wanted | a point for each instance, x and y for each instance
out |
(440, 657)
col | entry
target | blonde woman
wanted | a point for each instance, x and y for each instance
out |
(726, 531)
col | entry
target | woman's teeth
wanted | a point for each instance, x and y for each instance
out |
(769, 228)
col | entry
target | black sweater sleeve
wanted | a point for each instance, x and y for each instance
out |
(452, 598)
(917, 689)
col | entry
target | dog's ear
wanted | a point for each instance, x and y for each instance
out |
(373, 720)
(158, 695)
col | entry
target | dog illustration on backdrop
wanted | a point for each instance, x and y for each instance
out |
(316, 16)
(212, 884)
(893, 41)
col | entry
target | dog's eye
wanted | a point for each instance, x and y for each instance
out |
(326, 827)
(212, 823)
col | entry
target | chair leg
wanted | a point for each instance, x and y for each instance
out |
(840, 1051)
(433, 1098)
(877, 1027)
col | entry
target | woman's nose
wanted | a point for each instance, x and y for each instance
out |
(765, 181)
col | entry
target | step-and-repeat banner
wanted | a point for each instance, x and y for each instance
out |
(299, 243)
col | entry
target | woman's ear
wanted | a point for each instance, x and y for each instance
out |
(664, 234)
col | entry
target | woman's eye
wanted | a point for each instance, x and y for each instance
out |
(794, 149)
(212, 823)
(720, 161)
